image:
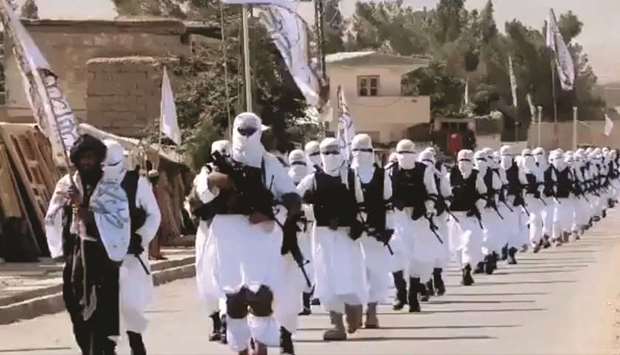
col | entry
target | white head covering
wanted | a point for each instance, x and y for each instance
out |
(247, 150)
(506, 156)
(362, 150)
(299, 166)
(406, 154)
(557, 160)
(481, 161)
(221, 146)
(427, 157)
(331, 156)
(363, 156)
(465, 162)
(313, 153)
(113, 165)
(529, 163)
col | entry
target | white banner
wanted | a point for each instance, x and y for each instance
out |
(562, 56)
(513, 82)
(609, 126)
(50, 107)
(289, 33)
(291, 4)
(168, 123)
(346, 128)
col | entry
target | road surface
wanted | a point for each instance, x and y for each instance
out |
(560, 301)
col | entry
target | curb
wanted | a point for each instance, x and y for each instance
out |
(49, 300)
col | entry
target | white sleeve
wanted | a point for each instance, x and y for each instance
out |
(429, 180)
(54, 216)
(145, 199)
(283, 183)
(205, 194)
(480, 185)
(387, 195)
(444, 181)
(306, 184)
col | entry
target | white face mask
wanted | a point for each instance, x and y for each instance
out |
(506, 162)
(332, 162)
(482, 165)
(247, 149)
(559, 163)
(407, 160)
(529, 163)
(298, 172)
(363, 159)
(315, 160)
(465, 167)
(540, 159)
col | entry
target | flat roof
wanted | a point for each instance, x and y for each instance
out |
(144, 25)
(374, 57)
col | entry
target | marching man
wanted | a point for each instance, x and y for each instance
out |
(339, 266)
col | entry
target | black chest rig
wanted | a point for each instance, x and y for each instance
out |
(564, 183)
(532, 185)
(137, 214)
(549, 183)
(408, 189)
(333, 200)
(374, 204)
(463, 190)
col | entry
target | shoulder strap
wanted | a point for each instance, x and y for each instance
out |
(130, 185)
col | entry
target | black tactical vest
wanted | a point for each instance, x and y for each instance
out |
(408, 189)
(549, 183)
(332, 200)
(532, 185)
(137, 214)
(464, 191)
(374, 203)
(564, 183)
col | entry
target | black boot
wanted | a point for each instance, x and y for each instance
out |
(546, 242)
(223, 329)
(401, 290)
(440, 287)
(468, 280)
(490, 263)
(217, 327)
(479, 268)
(414, 289)
(136, 344)
(430, 288)
(424, 293)
(505, 252)
(538, 246)
(512, 256)
(286, 342)
(307, 308)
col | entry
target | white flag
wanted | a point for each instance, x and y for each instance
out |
(466, 92)
(168, 111)
(346, 129)
(562, 56)
(513, 82)
(609, 126)
(291, 4)
(289, 33)
(50, 107)
(532, 107)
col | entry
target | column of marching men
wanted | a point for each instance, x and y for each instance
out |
(326, 227)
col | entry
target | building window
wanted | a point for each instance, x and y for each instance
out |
(368, 85)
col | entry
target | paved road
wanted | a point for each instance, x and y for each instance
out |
(562, 301)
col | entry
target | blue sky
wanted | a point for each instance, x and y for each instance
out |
(601, 35)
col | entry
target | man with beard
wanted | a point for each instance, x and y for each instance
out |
(136, 282)
(373, 190)
(466, 234)
(88, 222)
(245, 239)
(419, 245)
(338, 258)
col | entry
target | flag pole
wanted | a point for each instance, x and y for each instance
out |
(575, 127)
(556, 140)
(246, 58)
(539, 125)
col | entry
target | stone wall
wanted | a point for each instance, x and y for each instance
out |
(69, 45)
(123, 94)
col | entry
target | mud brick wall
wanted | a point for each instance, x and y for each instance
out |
(123, 94)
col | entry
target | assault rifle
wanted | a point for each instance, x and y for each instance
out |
(261, 200)
(383, 236)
